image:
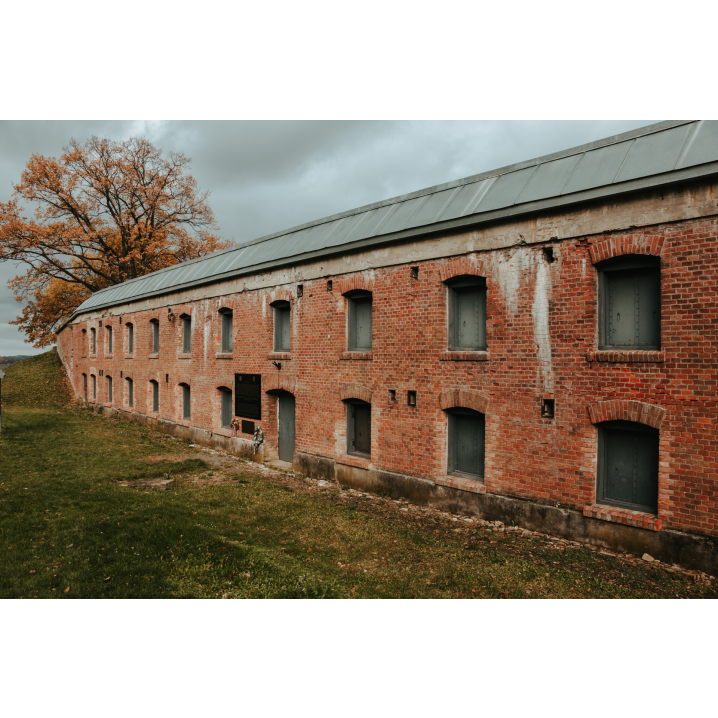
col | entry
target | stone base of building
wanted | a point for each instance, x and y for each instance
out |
(688, 550)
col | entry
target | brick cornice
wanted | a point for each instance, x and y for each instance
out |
(631, 244)
(280, 382)
(460, 267)
(355, 391)
(356, 281)
(618, 410)
(464, 399)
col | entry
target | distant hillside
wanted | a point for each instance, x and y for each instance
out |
(11, 360)
(36, 381)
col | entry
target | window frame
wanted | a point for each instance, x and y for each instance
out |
(454, 285)
(633, 263)
(226, 330)
(109, 340)
(351, 405)
(93, 340)
(93, 384)
(130, 338)
(453, 417)
(155, 336)
(356, 299)
(602, 448)
(186, 401)
(281, 308)
(225, 393)
(155, 396)
(130, 392)
(186, 320)
(109, 389)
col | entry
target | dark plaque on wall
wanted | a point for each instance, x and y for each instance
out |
(247, 427)
(248, 395)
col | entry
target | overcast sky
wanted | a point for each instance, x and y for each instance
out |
(268, 176)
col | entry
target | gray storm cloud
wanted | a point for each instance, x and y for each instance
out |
(268, 176)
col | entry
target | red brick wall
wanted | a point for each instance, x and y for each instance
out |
(541, 333)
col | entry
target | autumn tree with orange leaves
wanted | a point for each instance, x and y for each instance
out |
(106, 212)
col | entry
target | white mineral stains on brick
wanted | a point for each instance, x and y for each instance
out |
(540, 315)
(509, 268)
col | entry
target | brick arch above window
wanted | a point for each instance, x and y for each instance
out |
(464, 399)
(356, 281)
(280, 382)
(460, 267)
(610, 247)
(281, 295)
(355, 391)
(153, 376)
(226, 382)
(618, 410)
(127, 375)
(184, 379)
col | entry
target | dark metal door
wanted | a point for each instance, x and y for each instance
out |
(286, 427)
(362, 428)
(631, 468)
(467, 437)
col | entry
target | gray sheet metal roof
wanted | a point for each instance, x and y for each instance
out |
(659, 154)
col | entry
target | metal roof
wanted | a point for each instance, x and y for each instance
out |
(659, 154)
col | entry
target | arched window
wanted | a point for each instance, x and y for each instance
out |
(109, 389)
(467, 439)
(629, 294)
(130, 393)
(186, 333)
(155, 326)
(225, 406)
(84, 384)
(226, 318)
(93, 339)
(467, 313)
(109, 340)
(358, 427)
(282, 326)
(155, 391)
(628, 466)
(186, 402)
(94, 386)
(359, 319)
(130, 338)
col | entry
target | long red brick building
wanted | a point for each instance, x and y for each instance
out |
(537, 344)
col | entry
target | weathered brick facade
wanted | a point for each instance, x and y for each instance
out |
(542, 343)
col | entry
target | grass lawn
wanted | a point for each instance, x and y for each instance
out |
(74, 524)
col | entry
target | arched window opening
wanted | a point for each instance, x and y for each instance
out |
(186, 403)
(155, 389)
(186, 333)
(467, 443)
(358, 428)
(109, 389)
(93, 339)
(130, 338)
(84, 385)
(359, 320)
(130, 393)
(109, 340)
(628, 466)
(629, 293)
(94, 386)
(282, 326)
(155, 325)
(467, 313)
(225, 407)
(226, 319)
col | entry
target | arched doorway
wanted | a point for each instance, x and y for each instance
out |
(286, 432)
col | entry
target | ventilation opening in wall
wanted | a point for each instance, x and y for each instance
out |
(167, 378)
(329, 285)
(548, 255)
(415, 272)
(300, 290)
(411, 398)
(392, 395)
(548, 408)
